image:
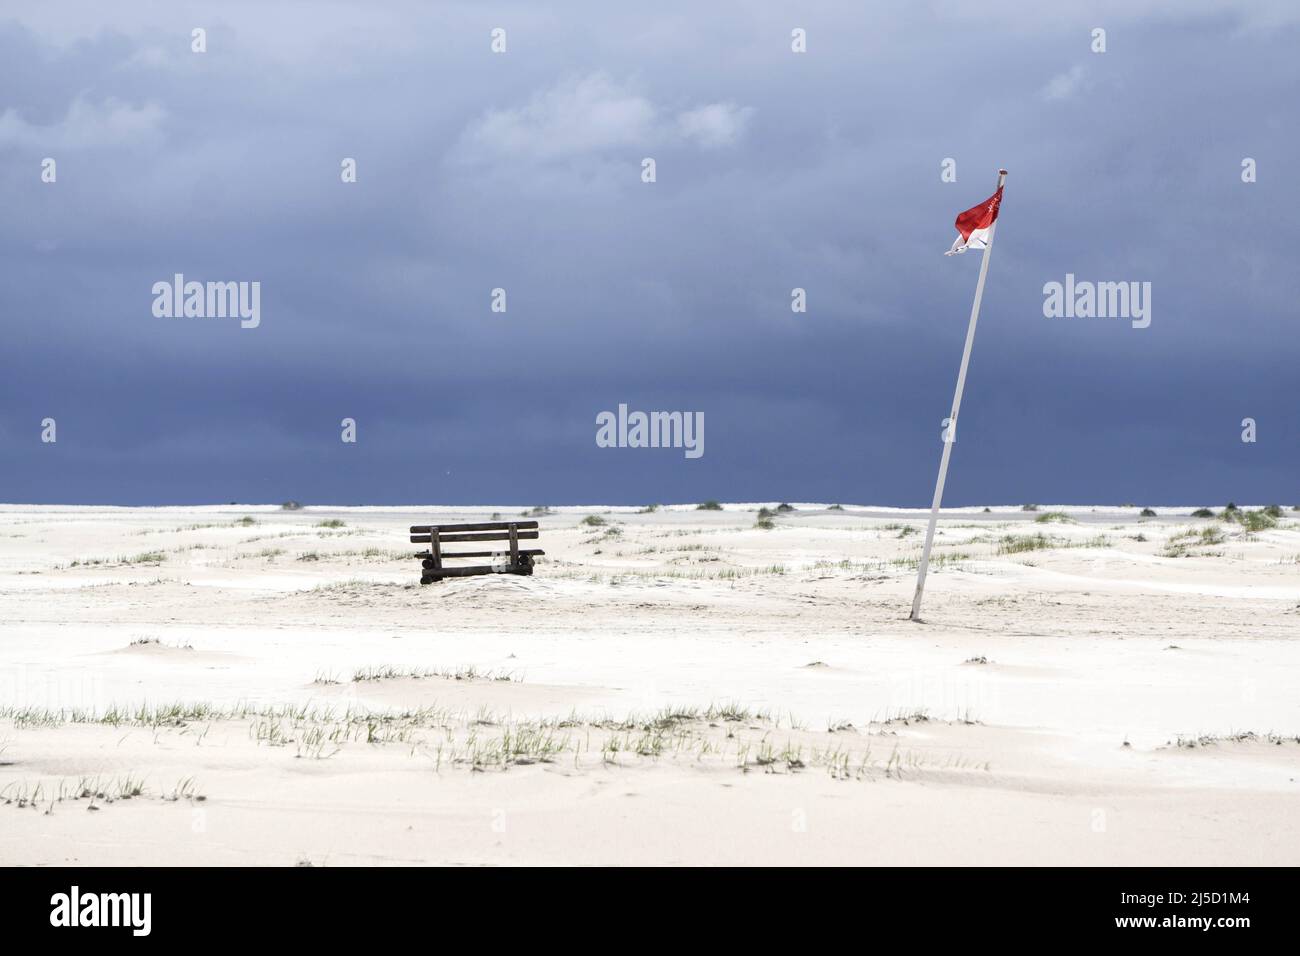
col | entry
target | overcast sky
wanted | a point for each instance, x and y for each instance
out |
(523, 170)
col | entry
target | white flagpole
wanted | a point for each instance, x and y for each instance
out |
(952, 419)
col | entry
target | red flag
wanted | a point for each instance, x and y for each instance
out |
(974, 225)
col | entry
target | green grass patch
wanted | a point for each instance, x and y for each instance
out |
(1020, 543)
(1180, 545)
(1054, 517)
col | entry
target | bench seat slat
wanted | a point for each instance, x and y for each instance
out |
(457, 572)
(479, 554)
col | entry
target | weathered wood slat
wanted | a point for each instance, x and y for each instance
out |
(457, 572)
(531, 552)
(491, 554)
(487, 536)
(479, 526)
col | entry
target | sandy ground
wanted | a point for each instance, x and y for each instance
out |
(180, 686)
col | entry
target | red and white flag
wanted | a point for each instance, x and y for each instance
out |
(975, 224)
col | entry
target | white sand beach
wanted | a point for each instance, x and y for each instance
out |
(246, 685)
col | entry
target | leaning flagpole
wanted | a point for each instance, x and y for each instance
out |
(951, 435)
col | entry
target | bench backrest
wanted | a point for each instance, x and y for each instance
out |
(474, 531)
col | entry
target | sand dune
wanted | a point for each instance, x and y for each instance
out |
(245, 685)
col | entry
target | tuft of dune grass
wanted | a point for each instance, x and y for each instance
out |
(1019, 543)
(1048, 517)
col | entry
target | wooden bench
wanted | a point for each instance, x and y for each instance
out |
(436, 535)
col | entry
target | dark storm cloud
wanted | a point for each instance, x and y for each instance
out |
(521, 171)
